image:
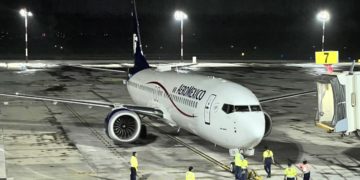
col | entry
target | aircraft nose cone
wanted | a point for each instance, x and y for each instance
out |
(254, 131)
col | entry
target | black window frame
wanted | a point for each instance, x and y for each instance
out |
(258, 108)
(242, 108)
(228, 108)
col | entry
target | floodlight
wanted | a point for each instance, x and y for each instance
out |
(180, 15)
(22, 12)
(323, 16)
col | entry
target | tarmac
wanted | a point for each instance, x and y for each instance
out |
(63, 141)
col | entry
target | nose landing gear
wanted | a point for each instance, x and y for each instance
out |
(357, 133)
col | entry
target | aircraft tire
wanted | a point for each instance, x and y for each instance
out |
(357, 133)
(232, 167)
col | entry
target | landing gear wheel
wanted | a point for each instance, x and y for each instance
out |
(143, 132)
(232, 167)
(342, 135)
(357, 133)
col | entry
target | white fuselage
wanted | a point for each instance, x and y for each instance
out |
(220, 111)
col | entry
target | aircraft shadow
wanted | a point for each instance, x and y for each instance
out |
(283, 151)
(150, 138)
(353, 153)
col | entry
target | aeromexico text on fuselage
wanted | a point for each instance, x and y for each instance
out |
(189, 91)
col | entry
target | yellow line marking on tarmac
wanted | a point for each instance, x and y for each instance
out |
(207, 157)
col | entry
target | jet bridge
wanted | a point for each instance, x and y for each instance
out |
(338, 102)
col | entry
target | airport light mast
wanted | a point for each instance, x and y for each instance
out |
(25, 13)
(181, 16)
(323, 16)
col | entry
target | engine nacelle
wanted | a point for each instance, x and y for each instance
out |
(123, 125)
(268, 124)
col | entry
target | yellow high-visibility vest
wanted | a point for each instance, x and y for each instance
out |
(134, 162)
(290, 172)
(237, 159)
(190, 175)
(244, 164)
(267, 154)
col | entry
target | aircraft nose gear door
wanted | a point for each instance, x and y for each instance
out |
(208, 108)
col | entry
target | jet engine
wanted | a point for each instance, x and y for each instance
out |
(123, 125)
(268, 124)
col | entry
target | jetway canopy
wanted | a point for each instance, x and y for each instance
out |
(331, 101)
(337, 97)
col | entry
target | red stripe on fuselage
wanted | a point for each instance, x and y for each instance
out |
(168, 95)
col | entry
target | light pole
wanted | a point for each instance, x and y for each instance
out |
(323, 16)
(180, 16)
(25, 13)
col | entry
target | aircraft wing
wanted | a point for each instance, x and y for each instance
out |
(176, 65)
(97, 68)
(146, 111)
(285, 96)
(106, 67)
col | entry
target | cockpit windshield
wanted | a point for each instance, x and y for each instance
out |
(242, 109)
(255, 108)
(228, 108)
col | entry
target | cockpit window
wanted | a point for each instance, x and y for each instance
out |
(241, 108)
(255, 108)
(227, 108)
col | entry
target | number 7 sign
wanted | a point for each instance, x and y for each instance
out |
(327, 57)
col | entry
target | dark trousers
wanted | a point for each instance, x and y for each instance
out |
(132, 173)
(267, 166)
(244, 174)
(290, 178)
(307, 176)
(237, 173)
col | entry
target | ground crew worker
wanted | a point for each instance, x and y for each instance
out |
(268, 159)
(133, 166)
(244, 165)
(190, 175)
(237, 172)
(305, 168)
(290, 172)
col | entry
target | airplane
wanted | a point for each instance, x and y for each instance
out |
(220, 111)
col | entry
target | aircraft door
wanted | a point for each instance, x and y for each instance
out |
(208, 105)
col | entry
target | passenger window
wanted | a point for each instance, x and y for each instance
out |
(227, 108)
(255, 108)
(241, 108)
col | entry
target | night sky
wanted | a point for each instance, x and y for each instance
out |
(216, 29)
